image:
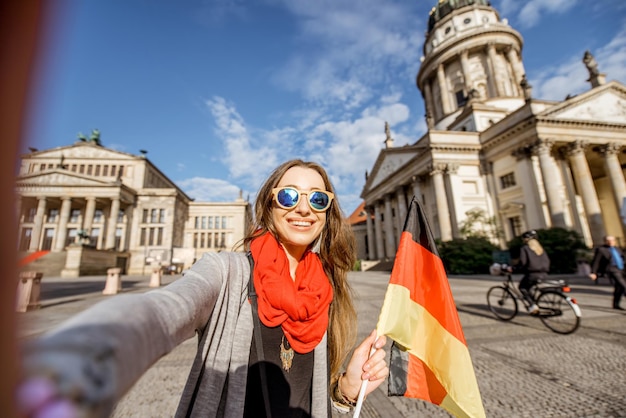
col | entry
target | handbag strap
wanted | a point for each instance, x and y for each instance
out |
(258, 342)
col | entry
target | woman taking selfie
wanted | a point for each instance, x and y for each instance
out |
(275, 326)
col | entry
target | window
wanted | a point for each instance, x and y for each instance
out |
(71, 236)
(210, 222)
(53, 214)
(105, 171)
(120, 216)
(461, 99)
(508, 180)
(154, 216)
(97, 172)
(89, 169)
(224, 222)
(98, 216)
(515, 223)
(118, 239)
(30, 215)
(81, 169)
(95, 234)
(75, 216)
(25, 239)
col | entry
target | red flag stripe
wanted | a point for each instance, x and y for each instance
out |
(32, 257)
(432, 290)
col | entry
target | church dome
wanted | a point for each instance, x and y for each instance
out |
(445, 7)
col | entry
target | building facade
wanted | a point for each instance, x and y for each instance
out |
(112, 202)
(494, 149)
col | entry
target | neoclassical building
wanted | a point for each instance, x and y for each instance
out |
(492, 147)
(94, 208)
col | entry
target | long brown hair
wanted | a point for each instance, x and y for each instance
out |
(336, 251)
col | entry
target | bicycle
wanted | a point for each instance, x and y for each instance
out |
(558, 311)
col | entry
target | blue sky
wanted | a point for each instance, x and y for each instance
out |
(219, 92)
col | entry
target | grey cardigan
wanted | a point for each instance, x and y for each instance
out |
(101, 352)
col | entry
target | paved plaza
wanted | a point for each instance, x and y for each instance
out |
(523, 369)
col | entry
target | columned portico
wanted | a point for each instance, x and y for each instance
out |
(380, 249)
(551, 182)
(112, 223)
(390, 241)
(61, 235)
(90, 209)
(443, 90)
(441, 200)
(402, 211)
(371, 242)
(38, 224)
(587, 190)
(614, 171)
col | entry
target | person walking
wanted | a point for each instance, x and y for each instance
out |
(608, 260)
(275, 325)
(534, 263)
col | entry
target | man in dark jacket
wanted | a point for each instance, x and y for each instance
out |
(535, 264)
(608, 260)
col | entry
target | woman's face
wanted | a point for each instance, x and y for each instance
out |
(298, 227)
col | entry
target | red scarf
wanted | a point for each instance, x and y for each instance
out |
(300, 306)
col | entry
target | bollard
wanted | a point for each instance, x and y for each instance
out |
(155, 278)
(114, 281)
(28, 291)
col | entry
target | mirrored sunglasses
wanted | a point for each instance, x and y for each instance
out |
(288, 198)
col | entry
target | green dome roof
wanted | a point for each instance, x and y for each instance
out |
(445, 7)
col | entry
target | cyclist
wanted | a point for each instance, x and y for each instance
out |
(534, 263)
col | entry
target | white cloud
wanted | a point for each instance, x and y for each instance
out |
(529, 13)
(350, 51)
(210, 190)
(243, 157)
(570, 77)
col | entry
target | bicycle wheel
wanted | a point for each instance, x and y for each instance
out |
(502, 303)
(557, 312)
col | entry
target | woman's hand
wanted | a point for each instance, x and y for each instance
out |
(37, 397)
(362, 367)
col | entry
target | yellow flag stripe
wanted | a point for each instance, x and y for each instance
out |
(413, 327)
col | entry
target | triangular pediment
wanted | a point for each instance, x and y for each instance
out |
(387, 163)
(605, 104)
(60, 178)
(82, 150)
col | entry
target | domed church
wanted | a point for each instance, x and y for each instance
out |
(495, 150)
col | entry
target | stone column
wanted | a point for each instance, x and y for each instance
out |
(428, 100)
(516, 66)
(112, 224)
(402, 210)
(371, 239)
(451, 170)
(444, 90)
(38, 225)
(378, 228)
(443, 212)
(467, 74)
(61, 235)
(587, 190)
(417, 189)
(551, 182)
(90, 210)
(18, 209)
(390, 241)
(616, 175)
(535, 215)
(491, 62)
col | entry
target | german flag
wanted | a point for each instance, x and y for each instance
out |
(429, 356)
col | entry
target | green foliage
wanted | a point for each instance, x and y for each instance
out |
(563, 246)
(471, 255)
(478, 224)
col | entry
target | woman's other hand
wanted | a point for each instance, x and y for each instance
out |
(362, 367)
